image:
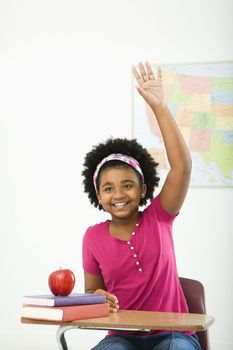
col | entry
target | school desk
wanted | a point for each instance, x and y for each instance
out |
(133, 321)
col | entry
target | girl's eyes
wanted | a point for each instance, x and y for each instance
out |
(126, 187)
(108, 189)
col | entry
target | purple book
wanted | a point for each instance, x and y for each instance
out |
(72, 299)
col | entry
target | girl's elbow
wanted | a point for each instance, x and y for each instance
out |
(187, 165)
(186, 169)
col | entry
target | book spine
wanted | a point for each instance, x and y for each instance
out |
(78, 301)
(84, 311)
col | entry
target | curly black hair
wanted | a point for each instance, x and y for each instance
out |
(119, 145)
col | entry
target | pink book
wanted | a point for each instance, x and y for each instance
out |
(65, 313)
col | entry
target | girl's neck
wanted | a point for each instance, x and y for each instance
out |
(123, 228)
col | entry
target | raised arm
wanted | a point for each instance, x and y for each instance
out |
(176, 184)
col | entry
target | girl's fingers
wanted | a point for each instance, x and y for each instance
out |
(110, 298)
(114, 309)
(149, 71)
(137, 76)
(143, 72)
(146, 74)
(113, 302)
(159, 73)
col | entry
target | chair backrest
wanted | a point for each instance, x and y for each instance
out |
(195, 296)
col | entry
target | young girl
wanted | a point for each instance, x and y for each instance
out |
(131, 258)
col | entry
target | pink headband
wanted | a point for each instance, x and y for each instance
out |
(123, 158)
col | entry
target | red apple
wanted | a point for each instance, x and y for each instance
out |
(61, 282)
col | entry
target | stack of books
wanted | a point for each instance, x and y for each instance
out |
(76, 306)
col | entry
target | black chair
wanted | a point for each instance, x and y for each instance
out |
(195, 296)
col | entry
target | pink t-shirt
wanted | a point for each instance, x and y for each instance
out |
(141, 272)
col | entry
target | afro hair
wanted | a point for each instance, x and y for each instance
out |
(119, 145)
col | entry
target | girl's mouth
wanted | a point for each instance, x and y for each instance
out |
(120, 205)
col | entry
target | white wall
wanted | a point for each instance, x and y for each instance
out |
(65, 84)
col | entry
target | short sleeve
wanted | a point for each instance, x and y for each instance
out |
(161, 213)
(90, 264)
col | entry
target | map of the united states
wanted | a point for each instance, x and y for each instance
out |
(200, 97)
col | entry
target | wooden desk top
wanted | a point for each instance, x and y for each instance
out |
(139, 320)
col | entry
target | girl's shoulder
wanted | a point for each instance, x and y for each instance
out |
(97, 229)
(156, 209)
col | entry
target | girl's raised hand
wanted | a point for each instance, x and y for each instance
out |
(110, 298)
(150, 87)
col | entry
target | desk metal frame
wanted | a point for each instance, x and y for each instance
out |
(61, 340)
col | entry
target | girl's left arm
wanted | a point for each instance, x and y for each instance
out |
(177, 181)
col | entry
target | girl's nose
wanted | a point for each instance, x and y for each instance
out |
(118, 193)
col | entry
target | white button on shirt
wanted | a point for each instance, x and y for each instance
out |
(134, 255)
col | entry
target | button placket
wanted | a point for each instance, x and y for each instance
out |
(132, 248)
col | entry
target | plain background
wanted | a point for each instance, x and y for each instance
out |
(65, 85)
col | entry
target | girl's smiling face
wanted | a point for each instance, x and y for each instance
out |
(120, 192)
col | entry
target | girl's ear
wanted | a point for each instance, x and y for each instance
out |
(144, 189)
(98, 197)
